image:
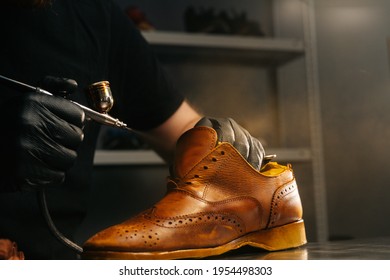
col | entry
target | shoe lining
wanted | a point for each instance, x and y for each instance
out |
(273, 169)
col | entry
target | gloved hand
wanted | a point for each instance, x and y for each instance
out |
(46, 132)
(229, 131)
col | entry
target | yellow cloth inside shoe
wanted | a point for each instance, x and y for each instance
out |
(273, 169)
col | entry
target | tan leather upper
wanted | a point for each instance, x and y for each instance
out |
(9, 250)
(213, 197)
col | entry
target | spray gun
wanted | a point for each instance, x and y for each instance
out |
(100, 96)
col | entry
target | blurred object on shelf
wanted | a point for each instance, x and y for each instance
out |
(117, 139)
(139, 18)
(202, 20)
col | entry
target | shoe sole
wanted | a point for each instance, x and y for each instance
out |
(284, 237)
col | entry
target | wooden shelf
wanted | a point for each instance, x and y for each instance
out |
(146, 157)
(255, 49)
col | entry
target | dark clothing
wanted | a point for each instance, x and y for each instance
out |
(88, 41)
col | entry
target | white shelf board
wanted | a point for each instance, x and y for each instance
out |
(126, 157)
(223, 41)
(146, 157)
(271, 51)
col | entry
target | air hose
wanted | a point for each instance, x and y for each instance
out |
(46, 214)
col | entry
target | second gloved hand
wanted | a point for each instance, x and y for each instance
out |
(48, 134)
(229, 131)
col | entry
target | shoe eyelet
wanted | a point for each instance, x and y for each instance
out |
(222, 152)
(205, 167)
(214, 159)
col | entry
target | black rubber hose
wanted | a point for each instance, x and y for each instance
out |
(46, 214)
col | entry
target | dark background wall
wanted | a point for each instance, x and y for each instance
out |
(353, 55)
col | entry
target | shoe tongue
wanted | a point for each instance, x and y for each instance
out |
(191, 148)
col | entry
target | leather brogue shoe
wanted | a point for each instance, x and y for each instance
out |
(216, 202)
(9, 250)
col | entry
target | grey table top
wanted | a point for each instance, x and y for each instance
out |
(354, 249)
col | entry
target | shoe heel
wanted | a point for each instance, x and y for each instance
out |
(279, 238)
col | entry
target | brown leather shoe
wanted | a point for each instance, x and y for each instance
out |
(216, 202)
(9, 250)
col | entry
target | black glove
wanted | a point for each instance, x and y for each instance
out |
(229, 131)
(46, 132)
(59, 86)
